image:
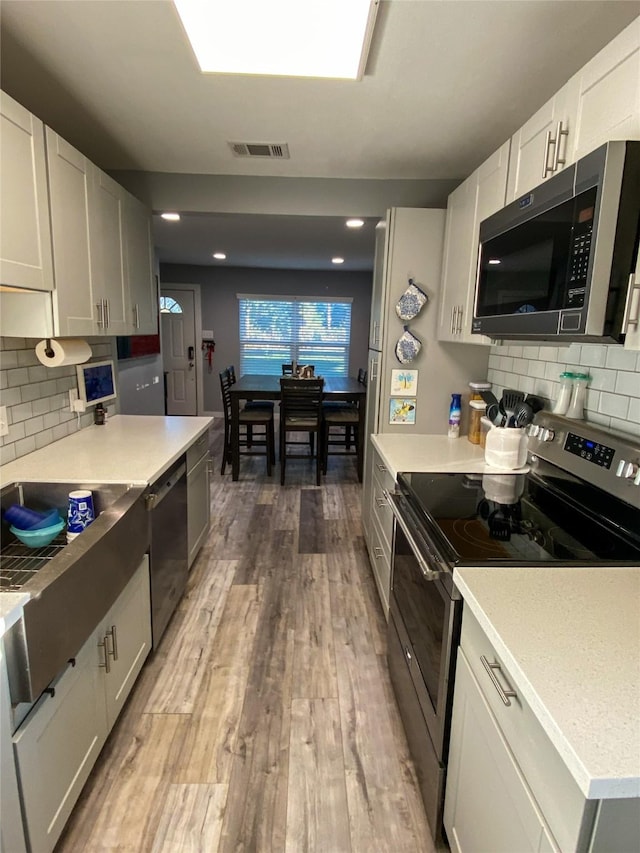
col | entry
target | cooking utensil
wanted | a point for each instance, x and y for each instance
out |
(536, 403)
(493, 413)
(489, 398)
(523, 414)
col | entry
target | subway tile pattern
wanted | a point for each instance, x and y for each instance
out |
(37, 397)
(613, 395)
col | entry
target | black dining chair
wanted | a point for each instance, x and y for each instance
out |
(340, 429)
(300, 411)
(340, 432)
(256, 429)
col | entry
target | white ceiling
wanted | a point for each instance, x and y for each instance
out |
(446, 83)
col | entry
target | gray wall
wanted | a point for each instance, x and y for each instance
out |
(141, 386)
(219, 289)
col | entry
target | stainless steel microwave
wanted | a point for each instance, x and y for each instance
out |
(556, 264)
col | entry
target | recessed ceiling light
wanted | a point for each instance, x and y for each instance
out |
(494, 260)
(220, 256)
(317, 38)
(337, 260)
(171, 217)
(355, 223)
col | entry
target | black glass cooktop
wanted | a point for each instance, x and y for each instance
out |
(523, 519)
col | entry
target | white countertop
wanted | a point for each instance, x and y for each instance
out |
(570, 639)
(432, 453)
(132, 449)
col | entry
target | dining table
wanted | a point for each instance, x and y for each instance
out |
(263, 386)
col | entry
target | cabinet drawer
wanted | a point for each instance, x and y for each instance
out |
(380, 558)
(197, 450)
(559, 798)
(382, 482)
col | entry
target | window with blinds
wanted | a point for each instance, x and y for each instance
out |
(275, 330)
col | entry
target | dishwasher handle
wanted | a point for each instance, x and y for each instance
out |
(161, 488)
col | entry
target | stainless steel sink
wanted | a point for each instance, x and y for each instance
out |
(70, 586)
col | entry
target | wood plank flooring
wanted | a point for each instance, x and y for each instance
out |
(265, 721)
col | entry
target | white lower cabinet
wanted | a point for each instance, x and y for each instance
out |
(61, 738)
(488, 805)
(379, 525)
(198, 495)
(508, 789)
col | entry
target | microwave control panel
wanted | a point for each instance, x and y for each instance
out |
(578, 266)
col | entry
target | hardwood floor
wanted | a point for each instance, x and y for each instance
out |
(266, 720)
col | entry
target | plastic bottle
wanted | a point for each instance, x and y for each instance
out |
(99, 415)
(576, 406)
(454, 416)
(477, 409)
(564, 395)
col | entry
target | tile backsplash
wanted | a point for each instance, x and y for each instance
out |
(37, 397)
(613, 395)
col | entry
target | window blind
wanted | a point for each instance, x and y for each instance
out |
(275, 330)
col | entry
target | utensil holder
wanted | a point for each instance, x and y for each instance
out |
(505, 448)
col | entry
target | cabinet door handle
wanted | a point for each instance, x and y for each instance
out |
(502, 693)
(107, 313)
(380, 502)
(454, 311)
(378, 553)
(380, 467)
(560, 132)
(546, 168)
(113, 634)
(106, 665)
(373, 371)
(459, 323)
(100, 307)
(136, 316)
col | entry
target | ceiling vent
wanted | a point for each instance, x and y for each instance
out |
(274, 150)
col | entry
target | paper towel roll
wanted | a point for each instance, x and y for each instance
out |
(64, 351)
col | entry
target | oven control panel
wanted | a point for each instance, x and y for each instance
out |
(605, 458)
(592, 451)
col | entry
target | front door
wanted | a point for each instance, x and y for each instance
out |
(179, 351)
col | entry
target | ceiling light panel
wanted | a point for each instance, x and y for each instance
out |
(315, 38)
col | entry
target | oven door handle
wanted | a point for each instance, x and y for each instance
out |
(427, 573)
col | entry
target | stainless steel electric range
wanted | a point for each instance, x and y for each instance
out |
(577, 504)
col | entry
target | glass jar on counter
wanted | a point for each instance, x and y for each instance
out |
(477, 408)
(476, 387)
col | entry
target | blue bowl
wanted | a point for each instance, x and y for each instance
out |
(38, 538)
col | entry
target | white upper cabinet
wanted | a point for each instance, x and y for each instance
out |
(482, 194)
(70, 192)
(599, 103)
(141, 281)
(608, 93)
(77, 244)
(106, 229)
(25, 235)
(543, 145)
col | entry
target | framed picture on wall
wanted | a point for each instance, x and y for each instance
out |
(402, 411)
(404, 382)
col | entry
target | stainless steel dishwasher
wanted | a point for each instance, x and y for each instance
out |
(167, 502)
